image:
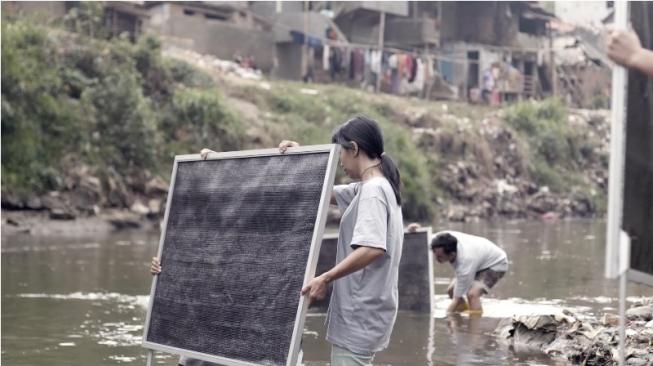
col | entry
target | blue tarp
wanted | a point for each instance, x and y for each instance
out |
(298, 37)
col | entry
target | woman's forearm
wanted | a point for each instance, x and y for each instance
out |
(357, 260)
(643, 61)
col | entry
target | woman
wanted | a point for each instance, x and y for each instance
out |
(364, 301)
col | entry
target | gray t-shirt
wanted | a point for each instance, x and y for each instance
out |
(364, 304)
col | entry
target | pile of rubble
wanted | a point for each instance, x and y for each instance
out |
(486, 173)
(583, 341)
(212, 64)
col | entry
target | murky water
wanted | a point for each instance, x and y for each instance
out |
(82, 301)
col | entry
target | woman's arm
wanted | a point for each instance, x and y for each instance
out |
(360, 258)
(625, 48)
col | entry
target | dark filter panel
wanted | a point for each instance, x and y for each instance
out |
(414, 275)
(638, 176)
(235, 252)
(325, 262)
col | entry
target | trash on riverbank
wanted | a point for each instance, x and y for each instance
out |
(585, 341)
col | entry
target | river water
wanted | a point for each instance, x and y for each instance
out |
(82, 301)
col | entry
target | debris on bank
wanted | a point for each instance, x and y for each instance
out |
(583, 341)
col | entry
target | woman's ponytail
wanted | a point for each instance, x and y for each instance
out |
(389, 169)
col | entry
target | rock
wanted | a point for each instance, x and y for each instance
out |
(507, 206)
(34, 203)
(542, 202)
(636, 361)
(52, 201)
(139, 208)
(610, 320)
(154, 205)
(124, 220)
(641, 312)
(156, 186)
(649, 324)
(456, 213)
(118, 195)
(11, 201)
(87, 194)
(62, 214)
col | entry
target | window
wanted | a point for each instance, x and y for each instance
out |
(215, 17)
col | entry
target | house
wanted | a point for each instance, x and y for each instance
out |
(510, 36)
(224, 29)
(300, 33)
(467, 38)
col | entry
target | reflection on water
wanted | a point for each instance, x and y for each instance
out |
(83, 301)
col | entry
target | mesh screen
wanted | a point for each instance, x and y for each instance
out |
(414, 281)
(235, 252)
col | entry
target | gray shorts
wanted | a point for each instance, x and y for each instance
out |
(488, 278)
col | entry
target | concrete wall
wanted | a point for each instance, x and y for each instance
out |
(490, 22)
(209, 36)
(361, 26)
(268, 9)
(46, 10)
(411, 31)
(289, 56)
(390, 7)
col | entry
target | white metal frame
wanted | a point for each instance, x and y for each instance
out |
(617, 254)
(429, 233)
(316, 241)
(617, 154)
(639, 276)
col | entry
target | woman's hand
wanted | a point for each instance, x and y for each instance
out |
(285, 144)
(204, 153)
(316, 289)
(155, 267)
(623, 47)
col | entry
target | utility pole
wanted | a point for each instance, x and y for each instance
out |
(380, 45)
(554, 72)
(305, 45)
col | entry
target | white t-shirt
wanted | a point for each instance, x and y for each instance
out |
(475, 254)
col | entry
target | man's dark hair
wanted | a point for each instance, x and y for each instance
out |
(446, 241)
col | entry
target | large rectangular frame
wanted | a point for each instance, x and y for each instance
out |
(429, 236)
(429, 233)
(316, 241)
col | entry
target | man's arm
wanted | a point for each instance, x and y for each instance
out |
(455, 305)
(357, 260)
(464, 277)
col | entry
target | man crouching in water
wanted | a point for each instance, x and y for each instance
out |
(479, 265)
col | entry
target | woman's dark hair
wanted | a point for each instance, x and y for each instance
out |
(367, 134)
(446, 241)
